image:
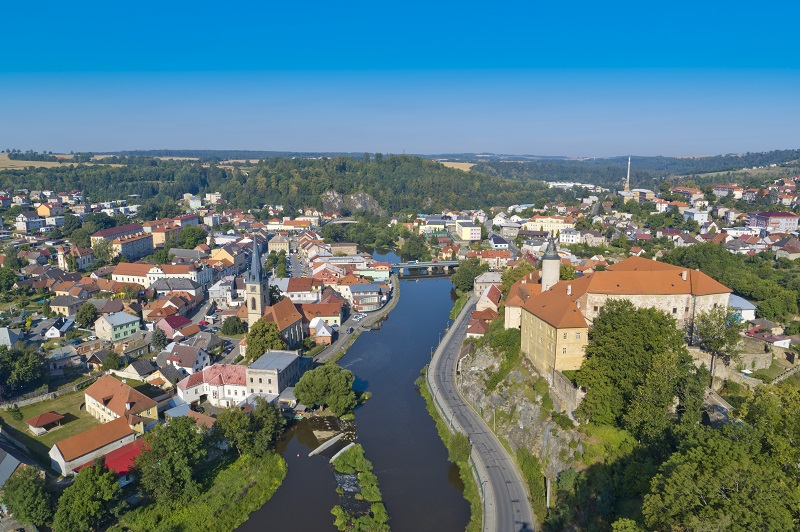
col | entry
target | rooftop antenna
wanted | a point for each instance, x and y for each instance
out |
(628, 179)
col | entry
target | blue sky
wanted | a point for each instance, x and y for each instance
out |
(591, 79)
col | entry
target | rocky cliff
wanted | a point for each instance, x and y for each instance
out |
(333, 201)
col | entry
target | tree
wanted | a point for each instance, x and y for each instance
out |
(415, 248)
(717, 331)
(112, 362)
(263, 336)
(327, 385)
(567, 272)
(724, 481)
(162, 256)
(168, 466)
(275, 294)
(72, 263)
(464, 277)
(233, 325)
(103, 251)
(71, 224)
(7, 279)
(158, 340)
(234, 424)
(86, 315)
(620, 357)
(25, 495)
(192, 236)
(12, 262)
(511, 276)
(93, 496)
(46, 310)
(280, 269)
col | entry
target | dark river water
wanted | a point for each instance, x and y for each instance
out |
(421, 489)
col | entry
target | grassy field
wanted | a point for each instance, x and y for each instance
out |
(76, 420)
(8, 164)
(769, 374)
(459, 166)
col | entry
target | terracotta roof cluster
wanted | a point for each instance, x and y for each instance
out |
(309, 311)
(283, 314)
(119, 397)
(93, 439)
(216, 375)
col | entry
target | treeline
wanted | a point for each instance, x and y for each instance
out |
(759, 277)
(226, 155)
(398, 183)
(646, 172)
(30, 155)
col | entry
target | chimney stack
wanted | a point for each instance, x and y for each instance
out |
(683, 275)
(569, 289)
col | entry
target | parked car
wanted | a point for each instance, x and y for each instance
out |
(203, 323)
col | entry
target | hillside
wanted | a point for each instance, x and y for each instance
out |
(396, 183)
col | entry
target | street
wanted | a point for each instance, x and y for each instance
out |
(506, 505)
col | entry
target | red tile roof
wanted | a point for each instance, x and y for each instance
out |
(121, 460)
(93, 439)
(44, 419)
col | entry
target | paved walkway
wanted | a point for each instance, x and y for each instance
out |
(506, 506)
(359, 327)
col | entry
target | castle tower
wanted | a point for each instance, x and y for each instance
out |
(551, 266)
(257, 291)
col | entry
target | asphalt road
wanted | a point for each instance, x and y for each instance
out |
(506, 505)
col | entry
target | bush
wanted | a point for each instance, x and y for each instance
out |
(562, 420)
(15, 413)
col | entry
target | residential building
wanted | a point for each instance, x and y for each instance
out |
(366, 297)
(116, 327)
(498, 242)
(108, 399)
(222, 385)
(65, 305)
(188, 359)
(29, 221)
(133, 247)
(468, 231)
(68, 454)
(485, 280)
(551, 224)
(782, 222)
(569, 236)
(277, 244)
(273, 372)
(113, 233)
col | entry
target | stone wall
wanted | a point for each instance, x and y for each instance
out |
(566, 396)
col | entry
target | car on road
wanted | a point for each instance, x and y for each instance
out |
(92, 338)
(350, 330)
(203, 323)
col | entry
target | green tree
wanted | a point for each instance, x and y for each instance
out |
(267, 423)
(7, 279)
(93, 497)
(511, 276)
(234, 424)
(415, 248)
(87, 315)
(233, 325)
(464, 277)
(46, 310)
(327, 385)
(168, 467)
(162, 256)
(12, 262)
(280, 269)
(567, 272)
(275, 295)
(158, 340)
(263, 336)
(112, 362)
(620, 355)
(81, 238)
(71, 224)
(724, 481)
(717, 331)
(26, 497)
(103, 251)
(72, 263)
(192, 236)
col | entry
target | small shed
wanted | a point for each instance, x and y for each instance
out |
(44, 422)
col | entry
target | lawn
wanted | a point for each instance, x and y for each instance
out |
(76, 420)
(769, 374)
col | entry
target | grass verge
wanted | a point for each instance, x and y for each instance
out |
(458, 305)
(235, 492)
(464, 469)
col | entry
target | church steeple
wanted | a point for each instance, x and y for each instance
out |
(257, 292)
(551, 265)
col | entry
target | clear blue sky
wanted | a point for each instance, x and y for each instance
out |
(549, 78)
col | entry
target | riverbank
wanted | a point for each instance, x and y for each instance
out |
(337, 350)
(471, 493)
(234, 492)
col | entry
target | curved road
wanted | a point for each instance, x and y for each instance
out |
(506, 506)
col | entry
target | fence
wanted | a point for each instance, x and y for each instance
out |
(37, 397)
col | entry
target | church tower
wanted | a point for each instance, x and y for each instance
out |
(256, 285)
(551, 266)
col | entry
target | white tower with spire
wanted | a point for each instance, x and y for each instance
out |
(257, 291)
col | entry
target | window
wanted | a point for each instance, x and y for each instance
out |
(251, 379)
(565, 336)
(252, 303)
(260, 380)
(596, 308)
(269, 381)
(563, 350)
(577, 336)
(251, 390)
(674, 310)
(686, 309)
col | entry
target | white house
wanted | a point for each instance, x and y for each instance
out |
(223, 385)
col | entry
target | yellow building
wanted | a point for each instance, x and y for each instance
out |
(108, 399)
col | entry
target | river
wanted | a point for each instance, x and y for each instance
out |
(421, 489)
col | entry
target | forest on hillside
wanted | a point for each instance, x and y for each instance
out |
(398, 183)
(646, 172)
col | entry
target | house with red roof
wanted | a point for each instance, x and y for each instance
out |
(42, 423)
(171, 324)
(222, 385)
(72, 452)
(121, 461)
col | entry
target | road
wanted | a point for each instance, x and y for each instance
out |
(506, 505)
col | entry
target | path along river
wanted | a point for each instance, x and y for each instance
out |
(421, 489)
